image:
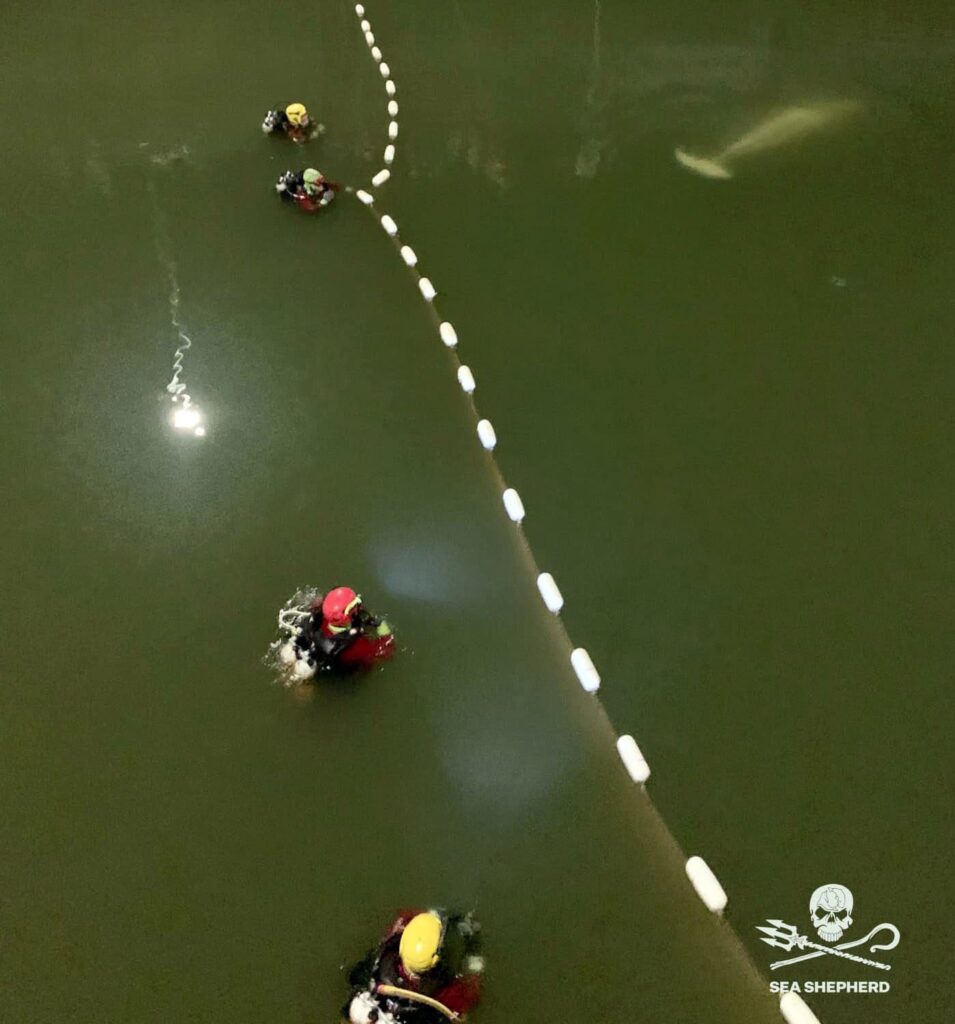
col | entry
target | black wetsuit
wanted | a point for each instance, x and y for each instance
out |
(294, 184)
(278, 120)
(281, 124)
(382, 966)
(324, 650)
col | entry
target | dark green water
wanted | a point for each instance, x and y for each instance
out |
(728, 406)
(738, 469)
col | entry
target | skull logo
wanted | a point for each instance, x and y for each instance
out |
(831, 909)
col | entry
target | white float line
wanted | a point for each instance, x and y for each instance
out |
(580, 659)
(701, 876)
(704, 881)
(513, 504)
(385, 71)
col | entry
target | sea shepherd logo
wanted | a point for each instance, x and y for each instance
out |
(831, 908)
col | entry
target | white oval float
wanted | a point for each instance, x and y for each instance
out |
(390, 87)
(393, 108)
(633, 759)
(586, 672)
(385, 70)
(389, 225)
(706, 884)
(364, 197)
(466, 379)
(365, 25)
(550, 592)
(389, 154)
(486, 434)
(409, 255)
(370, 38)
(448, 334)
(427, 288)
(376, 53)
(359, 10)
(393, 130)
(513, 505)
(381, 177)
(794, 1009)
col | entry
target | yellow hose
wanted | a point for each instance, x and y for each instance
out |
(416, 997)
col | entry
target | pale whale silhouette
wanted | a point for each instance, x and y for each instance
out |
(779, 129)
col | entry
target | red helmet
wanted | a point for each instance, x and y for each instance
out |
(339, 605)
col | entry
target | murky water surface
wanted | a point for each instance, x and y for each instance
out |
(727, 405)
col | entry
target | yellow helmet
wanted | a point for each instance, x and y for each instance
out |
(420, 942)
(296, 113)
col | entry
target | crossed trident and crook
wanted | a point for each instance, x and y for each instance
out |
(785, 936)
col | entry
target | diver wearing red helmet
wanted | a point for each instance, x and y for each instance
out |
(337, 623)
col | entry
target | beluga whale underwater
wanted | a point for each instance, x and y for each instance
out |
(780, 129)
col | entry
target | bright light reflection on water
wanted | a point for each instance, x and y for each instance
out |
(189, 418)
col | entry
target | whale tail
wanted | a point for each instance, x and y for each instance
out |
(699, 164)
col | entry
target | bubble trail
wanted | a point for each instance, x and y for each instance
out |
(186, 415)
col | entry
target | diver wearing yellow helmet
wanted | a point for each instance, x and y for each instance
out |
(292, 121)
(428, 968)
(420, 943)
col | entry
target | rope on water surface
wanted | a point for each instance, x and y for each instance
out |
(698, 872)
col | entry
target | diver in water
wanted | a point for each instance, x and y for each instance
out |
(310, 190)
(427, 969)
(336, 624)
(293, 122)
